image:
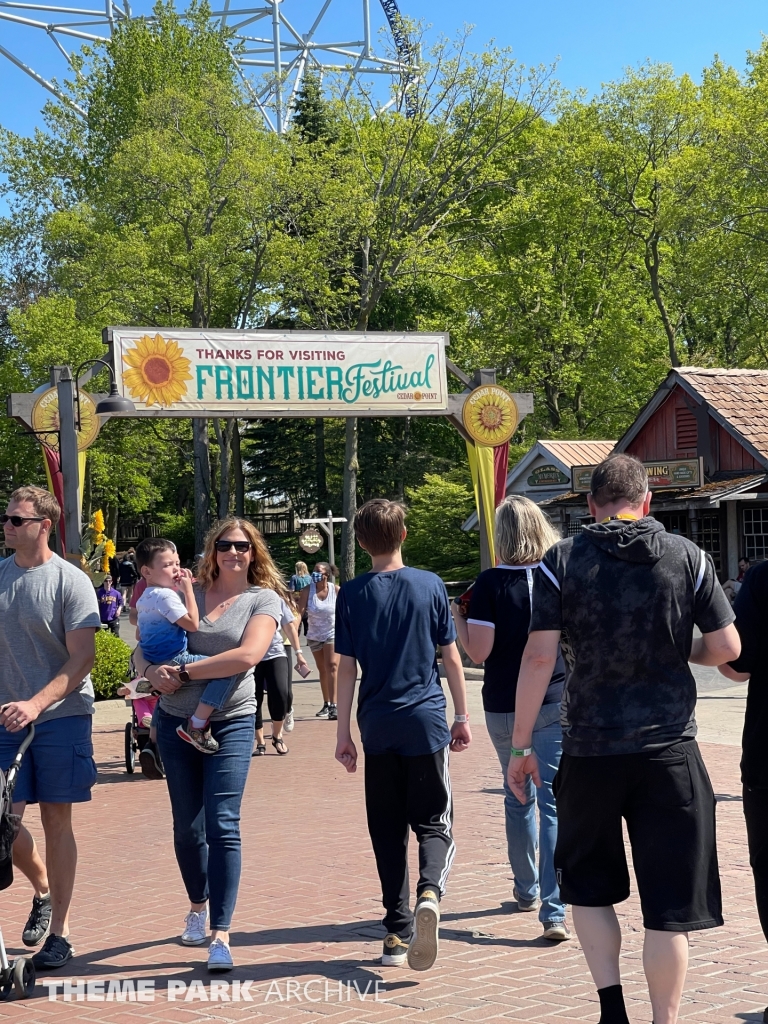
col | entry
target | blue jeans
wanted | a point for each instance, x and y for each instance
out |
(206, 791)
(217, 691)
(522, 840)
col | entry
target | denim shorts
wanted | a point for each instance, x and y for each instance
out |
(58, 767)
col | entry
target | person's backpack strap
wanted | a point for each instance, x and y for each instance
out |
(702, 570)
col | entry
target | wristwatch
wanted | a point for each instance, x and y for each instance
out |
(461, 718)
(184, 676)
(525, 752)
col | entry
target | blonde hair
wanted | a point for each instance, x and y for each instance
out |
(301, 569)
(523, 533)
(262, 571)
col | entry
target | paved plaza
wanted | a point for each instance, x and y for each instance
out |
(306, 934)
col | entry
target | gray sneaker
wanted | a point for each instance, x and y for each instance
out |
(289, 723)
(526, 906)
(39, 921)
(219, 957)
(194, 933)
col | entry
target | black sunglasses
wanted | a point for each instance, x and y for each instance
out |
(241, 546)
(18, 520)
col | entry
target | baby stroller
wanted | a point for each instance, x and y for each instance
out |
(136, 738)
(19, 976)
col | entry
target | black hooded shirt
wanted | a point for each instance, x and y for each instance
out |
(625, 596)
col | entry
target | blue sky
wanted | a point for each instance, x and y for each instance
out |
(593, 39)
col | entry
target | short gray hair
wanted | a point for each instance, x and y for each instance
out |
(523, 532)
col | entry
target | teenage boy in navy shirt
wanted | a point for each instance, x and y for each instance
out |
(391, 620)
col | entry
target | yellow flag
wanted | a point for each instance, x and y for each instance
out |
(481, 467)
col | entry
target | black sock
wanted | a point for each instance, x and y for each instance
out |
(612, 1009)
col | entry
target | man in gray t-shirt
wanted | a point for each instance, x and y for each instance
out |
(48, 620)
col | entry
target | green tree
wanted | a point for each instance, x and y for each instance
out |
(435, 539)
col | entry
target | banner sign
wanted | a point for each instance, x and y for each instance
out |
(547, 476)
(280, 373)
(675, 473)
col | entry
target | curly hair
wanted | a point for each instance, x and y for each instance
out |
(262, 571)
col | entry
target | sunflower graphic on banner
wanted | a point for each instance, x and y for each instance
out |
(157, 371)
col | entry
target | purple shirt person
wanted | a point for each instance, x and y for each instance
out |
(110, 603)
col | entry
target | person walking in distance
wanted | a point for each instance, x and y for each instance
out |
(318, 600)
(129, 574)
(494, 630)
(48, 621)
(297, 583)
(391, 620)
(110, 605)
(622, 598)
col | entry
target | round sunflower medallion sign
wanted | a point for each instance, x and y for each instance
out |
(490, 415)
(45, 420)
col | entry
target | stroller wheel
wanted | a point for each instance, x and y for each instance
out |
(24, 977)
(130, 753)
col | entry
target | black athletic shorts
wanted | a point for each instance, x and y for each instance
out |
(666, 799)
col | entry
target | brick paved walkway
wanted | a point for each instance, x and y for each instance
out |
(308, 909)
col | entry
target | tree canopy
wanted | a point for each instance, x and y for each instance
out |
(581, 246)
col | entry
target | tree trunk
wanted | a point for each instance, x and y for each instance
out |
(552, 402)
(652, 266)
(237, 470)
(321, 472)
(110, 522)
(224, 430)
(202, 481)
(349, 503)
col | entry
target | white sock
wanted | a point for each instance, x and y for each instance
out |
(198, 723)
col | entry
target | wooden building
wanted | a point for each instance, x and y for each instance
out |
(719, 419)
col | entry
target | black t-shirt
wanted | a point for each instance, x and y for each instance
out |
(751, 609)
(625, 596)
(501, 598)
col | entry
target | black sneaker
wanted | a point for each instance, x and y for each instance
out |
(395, 951)
(151, 765)
(55, 953)
(332, 713)
(38, 922)
(324, 711)
(422, 951)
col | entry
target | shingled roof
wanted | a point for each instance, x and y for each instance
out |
(739, 396)
(579, 453)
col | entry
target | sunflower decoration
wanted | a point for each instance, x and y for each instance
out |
(158, 371)
(490, 415)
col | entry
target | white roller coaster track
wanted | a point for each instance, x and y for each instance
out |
(280, 41)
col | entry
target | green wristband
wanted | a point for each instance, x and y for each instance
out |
(521, 753)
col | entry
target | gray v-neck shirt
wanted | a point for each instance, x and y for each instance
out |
(225, 634)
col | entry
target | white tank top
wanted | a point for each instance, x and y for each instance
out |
(321, 615)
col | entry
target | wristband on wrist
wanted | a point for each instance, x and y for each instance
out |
(525, 752)
(461, 718)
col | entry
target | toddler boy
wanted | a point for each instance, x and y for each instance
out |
(167, 611)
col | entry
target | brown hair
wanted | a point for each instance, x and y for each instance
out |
(262, 571)
(42, 501)
(619, 476)
(523, 532)
(379, 526)
(148, 548)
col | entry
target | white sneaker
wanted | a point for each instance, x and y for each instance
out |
(289, 723)
(194, 933)
(219, 957)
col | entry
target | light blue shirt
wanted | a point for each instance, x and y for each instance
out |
(158, 609)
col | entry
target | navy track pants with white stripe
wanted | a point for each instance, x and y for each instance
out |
(403, 792)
